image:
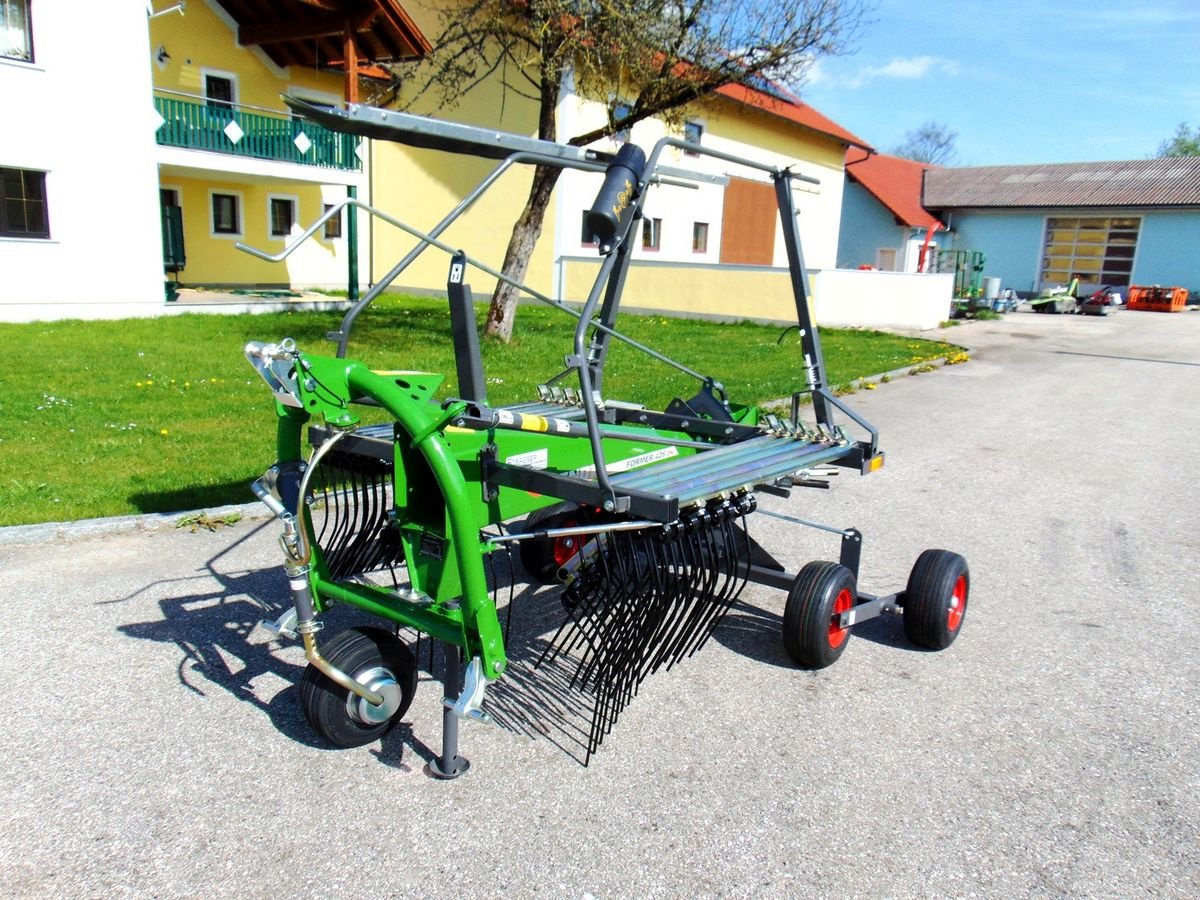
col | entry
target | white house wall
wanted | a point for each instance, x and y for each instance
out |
(819, 206)
(103, 257)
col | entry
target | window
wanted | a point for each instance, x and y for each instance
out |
(226, 218)
(699, 237)
(692, 133)
(333, 225)
(621, 111)
(585, 233)
(885, 259)
(1094, 250)
(282, 211)
(651, 234)
(16, 37)
(219, 90)
(23, 204)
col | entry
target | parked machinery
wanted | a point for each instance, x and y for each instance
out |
(639, 513)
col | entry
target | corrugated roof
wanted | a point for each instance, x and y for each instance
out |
(792, 110)
(1167, 181)
(896, 183)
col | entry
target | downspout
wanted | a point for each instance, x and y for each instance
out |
(923, 255)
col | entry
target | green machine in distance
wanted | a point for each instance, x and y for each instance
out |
(639, 514)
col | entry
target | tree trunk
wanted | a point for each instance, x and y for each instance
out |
(502, 313)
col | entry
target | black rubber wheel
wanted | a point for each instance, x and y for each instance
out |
(542, 557)
(935, 602)
(377, 659)
(812, 633)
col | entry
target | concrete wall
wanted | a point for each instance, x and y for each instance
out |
(841, 297)
(892, 300)
(104, 254)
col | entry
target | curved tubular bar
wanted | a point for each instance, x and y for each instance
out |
(479, 616)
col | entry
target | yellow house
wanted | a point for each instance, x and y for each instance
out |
(234, 165)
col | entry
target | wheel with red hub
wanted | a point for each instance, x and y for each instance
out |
(812, 629)
(542, 557)
(935, 602)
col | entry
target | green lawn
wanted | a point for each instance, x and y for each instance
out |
(164, 414)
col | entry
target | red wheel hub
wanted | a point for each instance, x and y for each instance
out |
(958, 604)
(566, 546)
(843, 604)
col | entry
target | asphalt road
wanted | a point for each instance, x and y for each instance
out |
(153, 745)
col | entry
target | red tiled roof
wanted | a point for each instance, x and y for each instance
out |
(793, 111)
(1171, 181)
(896, 183)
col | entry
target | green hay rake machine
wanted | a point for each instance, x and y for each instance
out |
(639, 513)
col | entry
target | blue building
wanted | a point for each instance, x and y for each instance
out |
(883, 225)
(1105, 223)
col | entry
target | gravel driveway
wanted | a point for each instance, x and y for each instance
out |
(154, 747)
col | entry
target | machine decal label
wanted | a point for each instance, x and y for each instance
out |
(632, 463)
(534, 459)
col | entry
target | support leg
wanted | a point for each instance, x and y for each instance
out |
(450, 764)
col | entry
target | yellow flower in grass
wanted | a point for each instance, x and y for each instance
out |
(163, 432)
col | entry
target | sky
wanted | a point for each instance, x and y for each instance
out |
(1030, 81)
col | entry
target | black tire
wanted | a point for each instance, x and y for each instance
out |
(378, 659)
(542, 557)
(821, 592)
(935, 602)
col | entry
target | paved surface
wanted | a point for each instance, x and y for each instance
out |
(153, 744)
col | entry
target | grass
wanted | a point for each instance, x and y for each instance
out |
(161, 415)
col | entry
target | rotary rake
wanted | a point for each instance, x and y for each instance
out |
(639, 514)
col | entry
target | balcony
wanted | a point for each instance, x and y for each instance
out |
(196, 124)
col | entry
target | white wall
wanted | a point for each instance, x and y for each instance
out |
(819, 206)
(82, 113)
(893, 300)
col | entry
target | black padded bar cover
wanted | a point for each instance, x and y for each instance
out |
(613, 206)
(468, 361)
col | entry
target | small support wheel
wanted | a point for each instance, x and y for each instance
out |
(375, 658)
(935, 602)
(543, 557)
(812, 631)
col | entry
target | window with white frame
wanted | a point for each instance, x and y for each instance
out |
(651, 234)
(16, 34)
(699, 237)
(220, 90)
(333, 225)
(693, 132)
(23, 204)
(226, 214)
(281, 214)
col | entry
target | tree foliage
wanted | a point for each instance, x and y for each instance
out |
(1185, 142)
(645, 58)
(932, 142)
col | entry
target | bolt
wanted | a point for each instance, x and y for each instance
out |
(309, 384)
(496, 667)
(609, 506)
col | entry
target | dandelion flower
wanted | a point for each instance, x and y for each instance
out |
(164, 432)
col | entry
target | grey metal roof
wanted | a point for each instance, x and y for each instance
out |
(1164, 181)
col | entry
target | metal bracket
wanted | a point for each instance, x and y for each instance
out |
(469, 704)
(284, 626)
